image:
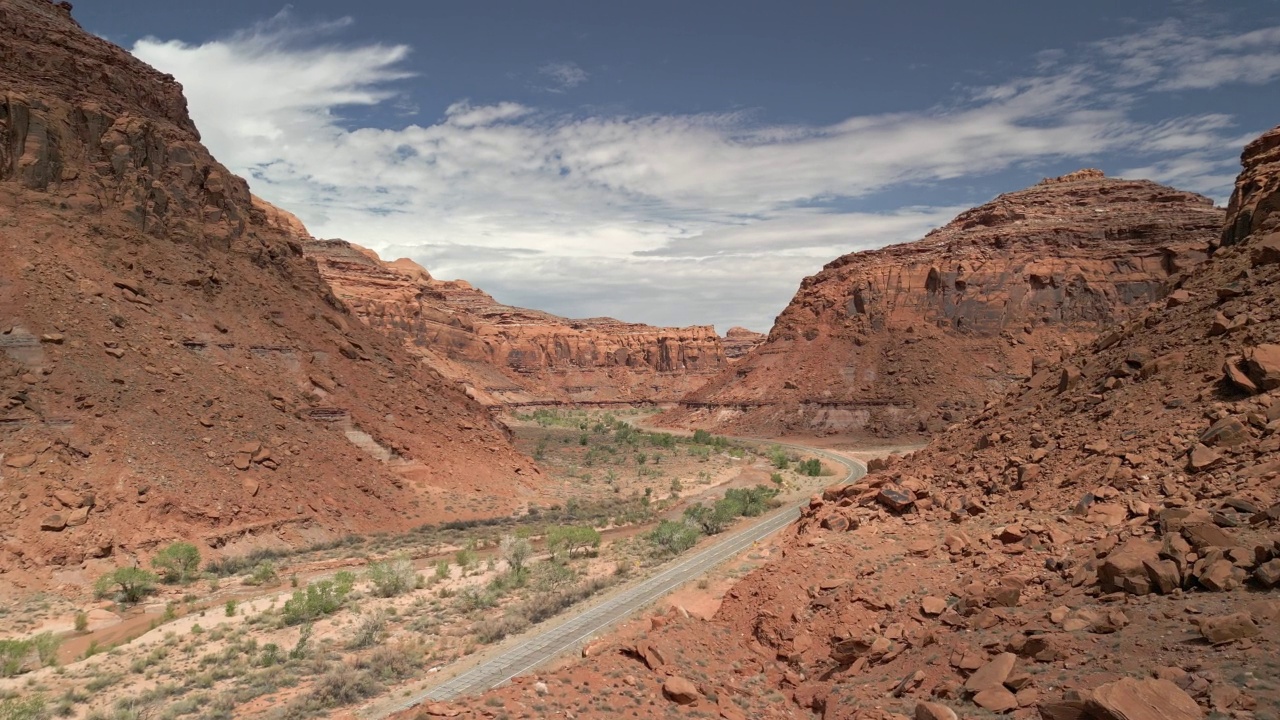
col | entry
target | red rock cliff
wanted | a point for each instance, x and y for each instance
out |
(912, 337)
(513, 356)
(170, 364)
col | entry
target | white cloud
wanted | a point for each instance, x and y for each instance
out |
(1173, 57)
(563, 76)
(698, 218)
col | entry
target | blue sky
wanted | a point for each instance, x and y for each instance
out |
(689, 163)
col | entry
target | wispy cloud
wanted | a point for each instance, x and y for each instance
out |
(663, 217)
(562, 76)
(1172, 56)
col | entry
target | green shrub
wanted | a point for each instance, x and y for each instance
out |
(264, 573)
(231, 608)
(811, 467)
(466, 557)
(672, 538)
(128, 584)
(82, 621)
(317, 600)
(178, 562)
(779, 458)
(442, 570)
(391, 577)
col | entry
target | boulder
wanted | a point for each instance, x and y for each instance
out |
(896, 498)
(78, 517)
(934, 711)
(68, 498)
(1148, 699)
(1227, 432)
(1266, 251)
(1203, 536)
(1268, 573)
(992, 674)
(1125, 569)
(1226, 628)
(1069, 378)
(20, 461)
(1262, 363)
(53, 522)
(1202, 457)
(996, 700)
(680, 691)
(1237, 377)
(933, 606)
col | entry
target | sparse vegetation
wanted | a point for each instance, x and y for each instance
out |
(19, 656)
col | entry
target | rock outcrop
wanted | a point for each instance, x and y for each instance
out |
(913, 337)
(510, 356)
(170, 360)
(739, 342)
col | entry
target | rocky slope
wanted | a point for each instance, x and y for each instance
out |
(511, 356)
(912, 337)
(1102, 544)
(170, 364)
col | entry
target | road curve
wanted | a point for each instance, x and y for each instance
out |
(540, 647)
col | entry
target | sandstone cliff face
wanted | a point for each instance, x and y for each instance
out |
(170, 364)
(512, 356)
(912, 337)
(738, 342)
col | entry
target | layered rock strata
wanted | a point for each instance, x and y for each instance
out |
(910, 338)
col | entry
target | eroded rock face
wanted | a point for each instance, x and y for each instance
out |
(512, 356)
(154, 321)
(914, 337)
(738, 342)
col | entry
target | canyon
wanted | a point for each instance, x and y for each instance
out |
(1092, 531)
(1099, 544)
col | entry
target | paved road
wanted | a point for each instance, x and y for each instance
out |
(543, 646)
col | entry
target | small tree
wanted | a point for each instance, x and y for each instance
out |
(131, 584)
(516, 552)
(710, 520)
(177, 562)
(571, 538)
